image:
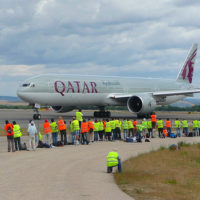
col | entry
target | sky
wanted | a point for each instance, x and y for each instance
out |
(123, 38)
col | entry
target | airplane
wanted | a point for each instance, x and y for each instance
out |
(63, 93)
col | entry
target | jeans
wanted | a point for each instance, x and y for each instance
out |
(96, 136)
(160, 131)
(73, 137)
(109, 169)
(48, 138)
(63, 134)
(84, 138)
(10, 140)
(17, 143)
(125, 133)
(178, 132)
(55, 138)
(195, 131)
(185, 130)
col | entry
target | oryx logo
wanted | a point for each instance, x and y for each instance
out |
(188, 68)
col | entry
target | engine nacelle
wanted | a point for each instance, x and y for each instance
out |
(62, 109)
(142, 104)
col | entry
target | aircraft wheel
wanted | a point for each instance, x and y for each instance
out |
(36, 116)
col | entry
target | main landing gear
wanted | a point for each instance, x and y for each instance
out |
(102, 113)
(37, 115)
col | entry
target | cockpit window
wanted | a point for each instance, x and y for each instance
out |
(26, 85)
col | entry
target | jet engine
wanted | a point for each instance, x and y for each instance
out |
(142, 104)
(62, 109)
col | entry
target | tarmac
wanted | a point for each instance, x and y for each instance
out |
(69, 172)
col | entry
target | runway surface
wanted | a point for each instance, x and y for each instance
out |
(70, 172)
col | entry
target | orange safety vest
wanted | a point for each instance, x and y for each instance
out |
(61, 125)
(91, 125)
(153, 118)
(104, 125)
(165, 132)
(6, 129)
(168, 124)
(84, 127)
(135, 123)
(47, 127)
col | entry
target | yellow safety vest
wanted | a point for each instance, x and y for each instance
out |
(16, 130)
(112, 159)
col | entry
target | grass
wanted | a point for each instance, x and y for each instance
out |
(163, 174)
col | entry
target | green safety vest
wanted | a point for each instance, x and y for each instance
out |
(177, 123)
(130, 124)
(120, 125)
(101, 128)
(79, 116)
(16, 130)
(140, 127)
(54, 127)
(149, 124)
(199, 124)
(144, 123)
(76, 125)
(108, 127)
(195, 124)
(125, 124)
(112, 124)
(117, 124)
(71, 128)
(160, 123)
(112, 159)
(96, 126)
(40, 136)
(185, 124)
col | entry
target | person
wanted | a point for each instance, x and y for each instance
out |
(84, 132)
(149, 126)
(72, 132)
(164, 132)
(144, 124)
(130, 128)
(54, 130)
(32, 131)
(76, 128)
(125, 128)
(79, 116)
(47, 131)
(62, 129)
(10, 135)
(168, 126)
(160, 127)
(117, 129)
(113, 160)
(91, 130)
(178, 127)
(185, 127)
(17, 136)
(195, 127)
(113, 127)
(108, 130)
(101, 130)
(135, 123)
(96, 130)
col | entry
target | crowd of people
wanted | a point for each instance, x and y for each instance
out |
(84, 131)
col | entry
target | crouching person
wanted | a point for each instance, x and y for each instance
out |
(17, 136)
(113, 160)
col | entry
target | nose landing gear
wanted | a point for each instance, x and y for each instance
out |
(36, 108)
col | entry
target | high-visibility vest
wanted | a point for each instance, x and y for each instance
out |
(144, 123)
(149, 124)
(79, 116)
(17, 132)
(96, 126)
(91, 125)
(112, 124)
(120, 124)
(47, 127)
(195, 124)
(177, 124)
(71, 128)
(185, 124)
(125, 124)
(101, 128)
(160, 123)
(199, 124)
(112, 159)
(135, 123)
(76, 125)
(6, 127)
(84, 127)
(140, 127)
(153, 118)
(108, 127)
(130, 124)
(40, 136)
(117, 123)
(61, 125)
(54, 127)
(165, 132)
(168, 124)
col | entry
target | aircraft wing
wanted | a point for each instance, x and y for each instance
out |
(157, 94)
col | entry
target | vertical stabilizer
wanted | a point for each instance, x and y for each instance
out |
(186, 72)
